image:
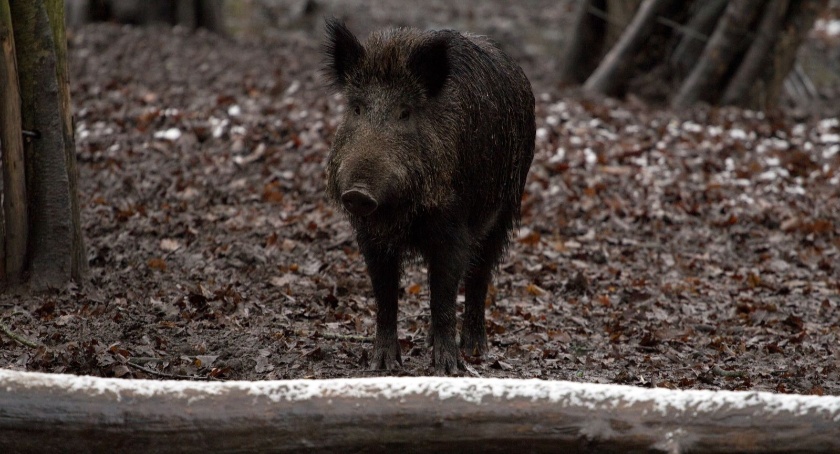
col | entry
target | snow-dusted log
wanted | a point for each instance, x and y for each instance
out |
(63, 413)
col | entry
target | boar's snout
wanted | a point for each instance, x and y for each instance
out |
(359, 202)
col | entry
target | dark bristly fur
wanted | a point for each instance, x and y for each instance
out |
(431, 159)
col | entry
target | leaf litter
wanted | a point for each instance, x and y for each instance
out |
(691, 250)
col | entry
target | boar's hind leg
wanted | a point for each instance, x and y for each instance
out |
(384, 270)
(486, 255)
(446, 265)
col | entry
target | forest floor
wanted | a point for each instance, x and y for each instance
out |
(691, 250)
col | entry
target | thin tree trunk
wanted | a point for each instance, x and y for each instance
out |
(799, 21)
(610, 72)
(51, 241)
(724, 45)
(701, 24)
(583, 50)
(190, 14)
(193, 14)
(14, 175)
(185, 14)
(755, 61)
(210, 16)
(620, 14)
(55, 12)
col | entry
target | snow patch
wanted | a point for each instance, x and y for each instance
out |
(738, 134)
(218, 126)
(171, 134)
(690, 126)
(590, 157)
(796, 190)
(238, 130)
(830, 27)
(831, 151)
(828, 123)
(830, 138)
(293, 88)
(558, 156)
(476, 391)
(730, 164)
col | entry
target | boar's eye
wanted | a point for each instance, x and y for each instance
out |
(405, 113)
(357, 109)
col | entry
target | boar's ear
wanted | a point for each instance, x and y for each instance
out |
(343, 52)
(430, 63)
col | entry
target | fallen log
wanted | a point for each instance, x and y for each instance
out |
(51, 413)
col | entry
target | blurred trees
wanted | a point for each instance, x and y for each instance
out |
(42, 239)
(188, 13)
(717, 51)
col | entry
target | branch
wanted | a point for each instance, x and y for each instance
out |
(347, 337)
(17, 337)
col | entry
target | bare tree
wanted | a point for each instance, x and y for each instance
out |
(14, 220)
(716, 51)
(192, 14)
(42, 234)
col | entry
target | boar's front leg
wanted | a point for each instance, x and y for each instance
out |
(384, 270)
(446, 266)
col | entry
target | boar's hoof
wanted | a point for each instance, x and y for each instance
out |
(474, 344)
(446, 360)
(386, 357)
(359, 202)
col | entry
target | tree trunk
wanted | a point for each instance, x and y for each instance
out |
(210, 16)
(699, 27)
(610, 72)
(584, 47)
(191, 14)
(619, 15)
(65, 413)
(55, 11)
(725, 44)
(55, 248)
(15, 221)
(799, 20)
(185, 14)
(715, 51)
(756, 58)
